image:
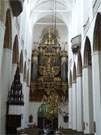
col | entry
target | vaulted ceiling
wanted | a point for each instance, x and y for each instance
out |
(43, 12)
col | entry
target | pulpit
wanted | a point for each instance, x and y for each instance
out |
(15, 105)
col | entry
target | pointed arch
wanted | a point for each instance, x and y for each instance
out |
(8, 31)
(79, 64)
(74, 73)
(24, 75)
(70, 79)
(97, 34)
(87, 53)
(15, 57)
(21, 62)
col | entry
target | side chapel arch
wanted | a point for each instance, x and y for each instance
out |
(87, 53)
(8, 31)
(97, 34)
(21, 62)
(74, 73)
(79, 65)
(70, 79)
(15, 57)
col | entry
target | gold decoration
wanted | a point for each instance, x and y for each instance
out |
(52, 89)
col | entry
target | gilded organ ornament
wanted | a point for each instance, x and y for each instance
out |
(49, 69)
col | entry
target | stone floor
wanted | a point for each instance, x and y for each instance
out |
(39, 132)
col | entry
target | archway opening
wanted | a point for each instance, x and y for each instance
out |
(15, 57)
(97, 34)
(70, 79)
(21, 62)
(8, 31)
(79, 64)
(87, 53)
(74, 73)
(87, 87)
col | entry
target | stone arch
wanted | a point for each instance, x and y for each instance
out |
(70, 79)
(8, 31)
(15, 56)
(24, 75)
(97, 34)
(21, 62)
(74, 73)
(79, 64)
(87, 53)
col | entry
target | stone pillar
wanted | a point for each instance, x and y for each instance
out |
(88, 100)
(96, 63)
(2, 30)
(74, 98)
(79, 103)
(5, 83)
(26, 101)
(70, 108)
(21, 77)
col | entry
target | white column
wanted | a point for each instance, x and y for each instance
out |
(27, 106)
(72, 101)
(96, 64)
(24, 112)
(70, 107)
(88, 99)
(2, 29)
(74, 105)
(79, 104)
(21, 77)
(5, 83)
